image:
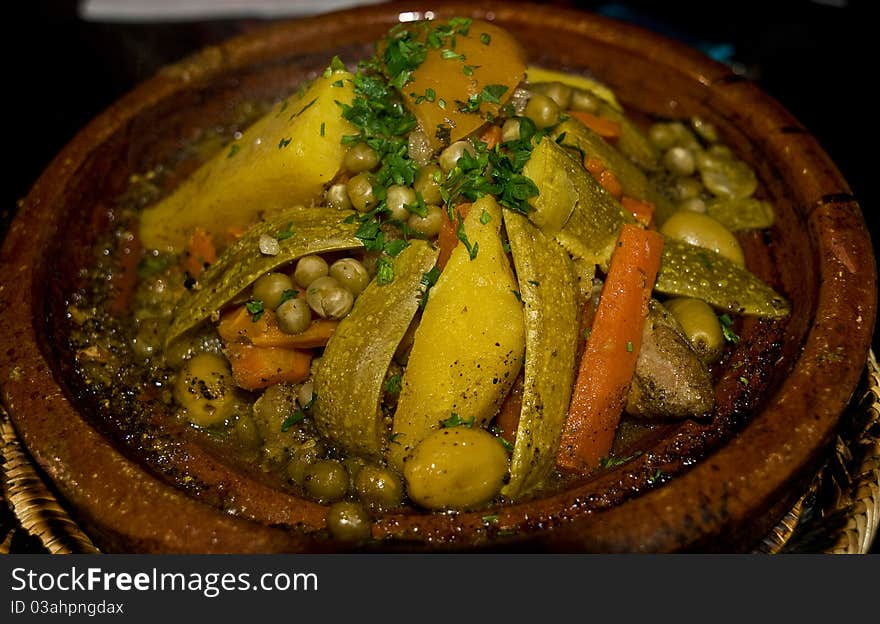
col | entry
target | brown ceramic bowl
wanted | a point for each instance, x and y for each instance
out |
(725, 481)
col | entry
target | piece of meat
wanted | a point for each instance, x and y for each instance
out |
(671, 381)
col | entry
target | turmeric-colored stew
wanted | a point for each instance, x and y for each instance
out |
(441, 280)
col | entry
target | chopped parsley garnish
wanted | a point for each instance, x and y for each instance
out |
(255, 309)
(393, 438)
(612, 462)
(490, 518)
(233, 150)
(518, 295)
(449, 55)
(336, 64)
(429, 96)
(726, 329)
(384, 271)
(472, 248)
(286, 233)
(534, 282)
(428, 280)
(485, 38)
(507, 445)
(294, 419)
(303, 109)
(655, 477)
(457, 421)
(629, 346)
(371, 235)
(287, 295)
(485, 217)
(284, 142)
(394, 247)
(468, 70)
(322, 128)
(393, 385)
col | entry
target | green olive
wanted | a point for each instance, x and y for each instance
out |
(310, 268)
(379, 487)
(510, 130)
(429, 225)
(542, 110)
(348, 522)
(302, 457)
(449, 157)
(360, 157)
(294, 316)
(456, 468)
(703, 231)
(584, 101)
(700, 325)
(360, 192)
(427, 184)
(418, 147)
(328, 298)
(337, 197)
(679, 161)
(326, 481)
(204, 389)
(351, 274)
(559, 92)
(397, 199)
(270, 288)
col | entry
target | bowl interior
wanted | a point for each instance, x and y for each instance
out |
(779, 393)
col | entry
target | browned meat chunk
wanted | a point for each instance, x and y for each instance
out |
(671, 381)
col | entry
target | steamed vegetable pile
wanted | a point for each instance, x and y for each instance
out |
(442, 279)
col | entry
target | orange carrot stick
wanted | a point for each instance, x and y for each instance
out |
(448, 237)
(238, 325)
(254, 368)
(609, 359)
(508, 417)
(608, 129)
(641, 209)
(611, 184)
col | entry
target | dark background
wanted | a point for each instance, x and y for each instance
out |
(814, 57)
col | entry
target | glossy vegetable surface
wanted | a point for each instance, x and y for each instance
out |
(469, 345)
(262, 172)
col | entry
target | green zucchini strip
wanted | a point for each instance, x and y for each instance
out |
(741, 214)
(349, 380)
(690, 271)
(299, 232)
(549, 291)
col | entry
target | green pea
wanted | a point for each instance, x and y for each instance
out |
(326, 481)
(270, 288)
(379, 487)
(294, 316)
(360, 157)
(542, 110)
(351, 274)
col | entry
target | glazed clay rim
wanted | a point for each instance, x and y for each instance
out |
(694, 510)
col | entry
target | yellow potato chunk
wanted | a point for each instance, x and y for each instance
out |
(486, 57)
(284, 158)
(469, 346)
